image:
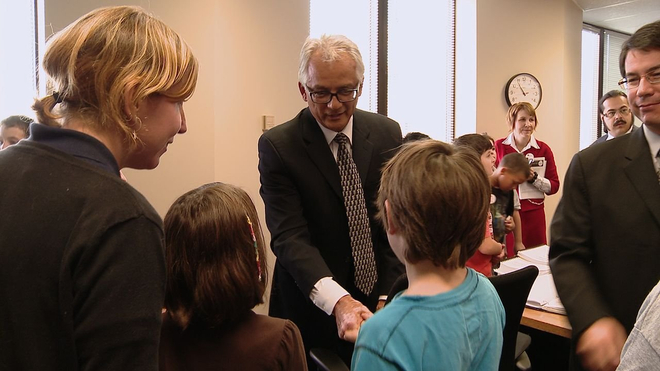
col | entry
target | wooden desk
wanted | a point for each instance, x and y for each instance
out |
(545, 321)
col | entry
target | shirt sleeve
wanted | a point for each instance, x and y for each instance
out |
(326, 293)
(293, 356)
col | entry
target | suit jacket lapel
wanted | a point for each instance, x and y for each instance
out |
(641, 172)
(362, 147)
(319, 151)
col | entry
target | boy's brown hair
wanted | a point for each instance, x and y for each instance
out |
(517, 163)
(477, 142)
(438, 198)
(216, 260)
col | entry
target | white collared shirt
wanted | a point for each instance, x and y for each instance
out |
(331, 134)
(541, 183)
(326, 292)
(610, 137)
(511, 142)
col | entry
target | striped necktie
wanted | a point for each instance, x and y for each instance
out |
(358, 220)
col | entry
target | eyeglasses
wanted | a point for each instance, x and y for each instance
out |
(623, 111)
(633, 82)
(324, 96)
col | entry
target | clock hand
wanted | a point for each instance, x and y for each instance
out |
(521, 89)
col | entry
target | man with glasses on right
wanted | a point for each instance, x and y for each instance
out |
(605, 235)
(616, 116)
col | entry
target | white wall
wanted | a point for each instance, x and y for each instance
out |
(543, 38)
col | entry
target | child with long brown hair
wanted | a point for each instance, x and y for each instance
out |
(217, 272)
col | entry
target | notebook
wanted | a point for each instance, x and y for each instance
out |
(543, 294)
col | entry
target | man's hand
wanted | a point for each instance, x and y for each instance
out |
(380, 305)
(599, 347)
(349, 314)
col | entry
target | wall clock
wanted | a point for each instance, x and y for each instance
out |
(523, 87)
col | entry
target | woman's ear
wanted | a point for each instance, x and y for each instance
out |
(391, 227)
(129, 108)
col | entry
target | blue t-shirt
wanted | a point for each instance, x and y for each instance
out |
(456, 330)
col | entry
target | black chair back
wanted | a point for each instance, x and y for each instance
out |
(513, 289)
(400, 284)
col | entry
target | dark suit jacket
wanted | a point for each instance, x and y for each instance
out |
(605, 235)
(603, 138)
(305, 213)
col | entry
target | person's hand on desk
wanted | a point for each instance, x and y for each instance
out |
(349, 314)
(599, 347)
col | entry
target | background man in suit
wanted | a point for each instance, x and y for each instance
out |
(605, 249)
(316, 273)
(616, 114)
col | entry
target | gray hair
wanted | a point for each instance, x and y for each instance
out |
(331, 47)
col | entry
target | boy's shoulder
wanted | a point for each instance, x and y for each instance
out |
(500, 193)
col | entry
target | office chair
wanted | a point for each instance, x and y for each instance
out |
(513, 289)
(327, 360)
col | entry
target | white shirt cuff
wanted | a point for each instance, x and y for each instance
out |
(542, 184)
(326, 293)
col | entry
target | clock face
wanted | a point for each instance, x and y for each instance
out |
(523, 87)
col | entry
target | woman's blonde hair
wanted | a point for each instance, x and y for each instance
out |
(97, 59)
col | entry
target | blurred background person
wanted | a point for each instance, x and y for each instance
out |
(216, 269)
(544, 180)
(616, 115)
(13, 129)
(81, 252)
(490, 251)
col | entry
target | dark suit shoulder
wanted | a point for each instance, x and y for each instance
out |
(289, 128)
(607, 149)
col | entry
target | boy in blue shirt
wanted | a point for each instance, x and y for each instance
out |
(433, 202)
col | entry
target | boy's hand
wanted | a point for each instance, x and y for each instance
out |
(509, 225)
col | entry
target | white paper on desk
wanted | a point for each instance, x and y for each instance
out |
(526, 190)
(536, 255)
(543, 295)
(510, 265)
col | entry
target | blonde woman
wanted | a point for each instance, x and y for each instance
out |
(82, 278)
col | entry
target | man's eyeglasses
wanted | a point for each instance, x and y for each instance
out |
(633, 82)
(623, 111)
(324, 96)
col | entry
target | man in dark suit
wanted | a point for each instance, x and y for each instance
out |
(616, 115)
(605, 235)
(315, 275)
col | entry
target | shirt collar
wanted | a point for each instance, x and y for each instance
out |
(331, 134)
(610, 137)
(532, 143)
(75, 143)
(653, 139)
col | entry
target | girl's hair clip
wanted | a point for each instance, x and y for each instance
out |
(254, 242)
